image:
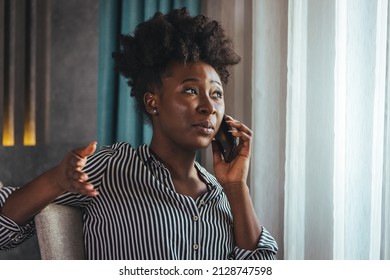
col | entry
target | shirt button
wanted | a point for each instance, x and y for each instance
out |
(17, 237)
(195, 218)
(195, 246)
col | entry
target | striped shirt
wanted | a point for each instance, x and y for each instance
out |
(139, 215)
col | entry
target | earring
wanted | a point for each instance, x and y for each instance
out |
(154, 111)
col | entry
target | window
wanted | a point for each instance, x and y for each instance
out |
(321, 91)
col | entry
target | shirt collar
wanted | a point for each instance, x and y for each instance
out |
(147, 157)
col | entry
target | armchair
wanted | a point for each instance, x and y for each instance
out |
(60, 233)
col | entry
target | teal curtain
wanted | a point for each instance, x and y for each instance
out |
(117, 118)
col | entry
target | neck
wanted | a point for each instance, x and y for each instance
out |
(180, 162)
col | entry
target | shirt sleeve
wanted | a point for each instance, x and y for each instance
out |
(12, 234)
(95, 168)
(266, 249)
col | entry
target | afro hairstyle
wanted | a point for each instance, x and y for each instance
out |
(144, 56)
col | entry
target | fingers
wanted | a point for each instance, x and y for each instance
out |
(75, 175)
(238, 125)
(86, 151)
(77, 180)
(83, 188)
(78, 160)
(240, 131)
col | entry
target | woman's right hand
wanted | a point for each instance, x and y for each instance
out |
(69, 174)
(27, 201)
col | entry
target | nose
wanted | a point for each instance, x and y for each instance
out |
(206, 106)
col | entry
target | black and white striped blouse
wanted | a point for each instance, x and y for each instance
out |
(138, 214)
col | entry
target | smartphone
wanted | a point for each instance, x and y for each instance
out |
(227, 143)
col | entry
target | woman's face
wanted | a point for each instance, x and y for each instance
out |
(190, 106)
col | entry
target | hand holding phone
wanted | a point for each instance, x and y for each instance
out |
(227, 143)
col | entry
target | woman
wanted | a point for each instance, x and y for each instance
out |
(156, 201)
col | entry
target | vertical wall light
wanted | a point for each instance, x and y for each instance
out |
(8, 73)
(29, 133)
(2, 67)
(8, 127)
(24, 71)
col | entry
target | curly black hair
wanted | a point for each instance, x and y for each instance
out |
(176, 36)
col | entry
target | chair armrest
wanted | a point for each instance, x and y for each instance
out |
(60, 233)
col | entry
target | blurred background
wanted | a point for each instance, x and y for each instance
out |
(313, 85)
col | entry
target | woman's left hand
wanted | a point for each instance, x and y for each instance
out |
(235, 172)
(233, 176)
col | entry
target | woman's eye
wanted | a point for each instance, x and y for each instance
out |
(218, 94)
(191, 91)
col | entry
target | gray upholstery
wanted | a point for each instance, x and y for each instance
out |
(60, 233)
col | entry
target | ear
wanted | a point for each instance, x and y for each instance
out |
(150, 102)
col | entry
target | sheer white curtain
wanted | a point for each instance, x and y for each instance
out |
(321, 156)
(269, 79)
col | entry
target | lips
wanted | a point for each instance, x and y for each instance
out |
(205, 127)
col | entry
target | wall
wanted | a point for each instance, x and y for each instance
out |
(74, 50)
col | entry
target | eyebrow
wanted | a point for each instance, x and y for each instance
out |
(197, 80)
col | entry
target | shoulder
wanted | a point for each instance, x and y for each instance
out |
(114, 149)
(108, 153)
(117, 147)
